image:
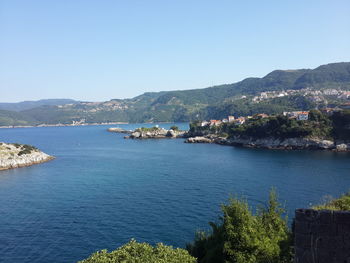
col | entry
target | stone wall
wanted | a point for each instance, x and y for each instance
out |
(322, 236)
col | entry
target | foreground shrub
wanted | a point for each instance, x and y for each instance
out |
(342, 204)
(242, 237)
(134, 252)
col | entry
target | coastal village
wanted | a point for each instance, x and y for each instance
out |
(313, 94)
(298, 115)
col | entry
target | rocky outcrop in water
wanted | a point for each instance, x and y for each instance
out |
(199, 139)
(274, 143)
(155, 133)
(13, 155)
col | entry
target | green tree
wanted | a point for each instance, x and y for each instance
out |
(134, 252)
(244, 237)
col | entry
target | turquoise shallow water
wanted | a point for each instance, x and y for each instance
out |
(102, 190)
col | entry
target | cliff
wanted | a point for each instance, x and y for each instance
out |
(13, 155)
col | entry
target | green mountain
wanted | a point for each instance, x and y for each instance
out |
(278, 91)
(13, 118)
(25, 105)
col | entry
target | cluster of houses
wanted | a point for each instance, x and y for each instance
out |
(232, 119)
(298, 115)
(314, 95)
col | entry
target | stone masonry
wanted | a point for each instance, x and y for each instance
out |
(322, 236)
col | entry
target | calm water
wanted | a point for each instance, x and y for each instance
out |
(102, 190)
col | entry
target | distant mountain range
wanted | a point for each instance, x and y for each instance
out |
(280, 90)
(25, 105)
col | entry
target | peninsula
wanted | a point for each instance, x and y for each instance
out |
(14, 155)
(328, 129)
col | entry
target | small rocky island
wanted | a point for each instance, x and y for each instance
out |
(151, 133)
(14, 155)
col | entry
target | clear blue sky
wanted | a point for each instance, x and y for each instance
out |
(99, 50)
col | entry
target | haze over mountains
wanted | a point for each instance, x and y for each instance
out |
(326, 85)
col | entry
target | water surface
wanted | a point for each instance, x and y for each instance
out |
(102, 190)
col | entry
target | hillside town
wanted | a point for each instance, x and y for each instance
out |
(314, 95)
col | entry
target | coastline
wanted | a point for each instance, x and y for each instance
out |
(274, 143)
(13, 155)
(49, 158)
(82, 124)
(62, 125)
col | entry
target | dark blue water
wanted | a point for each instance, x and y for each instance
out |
(102, 190)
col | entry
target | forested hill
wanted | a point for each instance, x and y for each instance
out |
(25, 105)
(279, 90)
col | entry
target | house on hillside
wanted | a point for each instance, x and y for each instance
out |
(261, 116)
(215, 122)
(231, 118)
(303, 116)
(299, 115)
(205, 123)
(239, 121)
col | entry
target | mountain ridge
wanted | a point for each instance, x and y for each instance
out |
(305, 88)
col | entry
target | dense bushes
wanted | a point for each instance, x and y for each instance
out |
(242, 237)
(134, 252)
(318, 125)
(26, 149)
(279, 126)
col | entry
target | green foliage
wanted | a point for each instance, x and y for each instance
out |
(12, 118)
(342, 203)
(25, 149)
(174, 128)
(242, 237)
(134, 252)
(318, 125)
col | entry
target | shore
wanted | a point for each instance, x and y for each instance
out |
(13, 155)
(274, 143)
(62, 125)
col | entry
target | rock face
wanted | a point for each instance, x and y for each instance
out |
(199, 139)
(288, 144)
(19, 155)
(274, 143)
(155, 133)
(321, 236)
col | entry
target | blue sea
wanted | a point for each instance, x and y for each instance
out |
(103, 190)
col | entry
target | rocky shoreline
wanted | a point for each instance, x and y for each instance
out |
(13, 155)
(249, 142)
(274, 143)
